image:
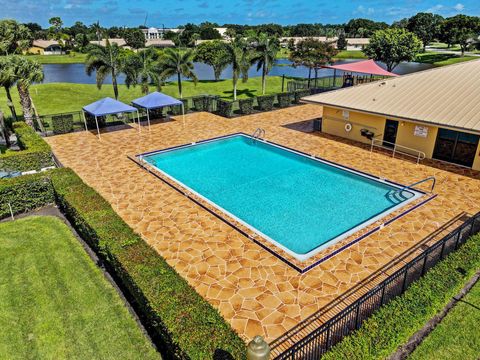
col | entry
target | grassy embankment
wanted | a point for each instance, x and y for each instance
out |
(54, 301)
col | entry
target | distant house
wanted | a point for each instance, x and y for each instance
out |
(120, 42)
(153, 33)
(352, 43)
(159, 43)
(45, 47)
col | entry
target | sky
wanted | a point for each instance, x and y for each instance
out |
(171, 13)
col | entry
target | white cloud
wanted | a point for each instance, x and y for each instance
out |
(362, 10)
(459, 7)
(436, 8)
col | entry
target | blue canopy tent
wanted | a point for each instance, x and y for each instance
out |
(156, 100)
(107, 106)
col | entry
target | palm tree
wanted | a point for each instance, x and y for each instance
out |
(3, 130)
(178, 63)
(26, 72)
(7, 80)
(266, 48)
(142, 68)
(240, 58)
(105, 60)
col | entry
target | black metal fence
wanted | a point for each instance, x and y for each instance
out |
(321, 339)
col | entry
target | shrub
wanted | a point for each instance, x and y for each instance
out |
(284, 100)
(188, 326)
(265, 103)
(225, 108)
(25, 193)
(298, 94)
(91, 124)
(246, 106)
(62, 124)
(177, 109)
(393, 324)
(35, 153)
(201, 103)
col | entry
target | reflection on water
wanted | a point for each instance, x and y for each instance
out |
(75, 73)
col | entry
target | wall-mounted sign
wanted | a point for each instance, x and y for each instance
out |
(346, 114)
(421, 131)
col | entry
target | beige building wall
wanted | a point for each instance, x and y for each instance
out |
(334, 121)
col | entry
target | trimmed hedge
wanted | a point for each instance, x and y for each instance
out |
(62, 124)
(35, 153)
(393, 324)
(284, 100)
(203, 103)
(188, 326)
(177, 109)
(25, 193)
(224, 108)
(265, 102)
(246, 106)
(298, 94)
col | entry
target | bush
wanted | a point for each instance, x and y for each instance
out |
(284, 100)
(188, 326)
(92, 124)
(203, 103)
(298, 94)
(177, 109)
(393, 324)
(246, 106)
(62, 124)
(265, 103)
(35, 154)
(25, 193)
(225, 108)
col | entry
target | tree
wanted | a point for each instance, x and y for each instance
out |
(56, 27)
(142, 68)
(105, 60)
(7, 80)
(241, 60)
(14, 37)
(342, 41)
(134, 38)
(215, 54)
(313, 54)
(426, 26)
(175, 62)
(26, 72)
(460, 29)
(266, 49)
(208, 32)
(4, 130)
(393, 46)
(363, 27)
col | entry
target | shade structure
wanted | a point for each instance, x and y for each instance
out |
(107, 106)
(363, 67)
(156, 100)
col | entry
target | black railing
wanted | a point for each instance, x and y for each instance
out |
(318, 341)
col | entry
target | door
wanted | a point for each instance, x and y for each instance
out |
(390, 133)
(456, 147)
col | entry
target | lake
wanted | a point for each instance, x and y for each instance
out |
(75, 73)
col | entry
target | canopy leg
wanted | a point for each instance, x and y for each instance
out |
(183, 114)
(98, 129)
(138, 118)
(85, 121)
(148, 119)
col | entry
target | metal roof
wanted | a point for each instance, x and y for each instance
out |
(448, 96)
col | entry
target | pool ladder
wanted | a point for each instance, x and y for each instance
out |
(258, 134)
(430, 178)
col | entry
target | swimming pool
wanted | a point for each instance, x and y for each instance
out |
(300, 203)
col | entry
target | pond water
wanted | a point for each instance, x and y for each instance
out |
(75, 73)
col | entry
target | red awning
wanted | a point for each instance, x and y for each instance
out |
(364, 67)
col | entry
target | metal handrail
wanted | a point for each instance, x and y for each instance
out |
(432, 178)
(259, 133)
(420, 154)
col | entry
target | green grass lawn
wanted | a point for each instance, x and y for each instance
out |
(54, 301)
(65, 97)
(72, 58)
(351, 54)
(456, 337)
(442, 59)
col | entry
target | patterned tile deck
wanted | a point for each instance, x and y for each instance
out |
(256, 292)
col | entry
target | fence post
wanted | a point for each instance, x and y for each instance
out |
(405, 279)
(258, 349)
(425, 262)
(357, 317)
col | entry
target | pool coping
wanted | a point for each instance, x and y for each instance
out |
(266, 242)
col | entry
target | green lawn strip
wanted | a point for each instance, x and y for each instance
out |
(456, 337)
(350, 54)
(393, 324)
(56, 303)
(442, 59)
(57, 98)
(72, 58)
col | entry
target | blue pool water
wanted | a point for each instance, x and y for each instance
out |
(299, 203)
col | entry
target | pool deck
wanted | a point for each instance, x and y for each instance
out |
(255, 291)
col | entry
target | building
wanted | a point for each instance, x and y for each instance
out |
(158, 43)
(352, 43)
(436, 112)
(103, 42)
(153, 33)
(45, 47)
